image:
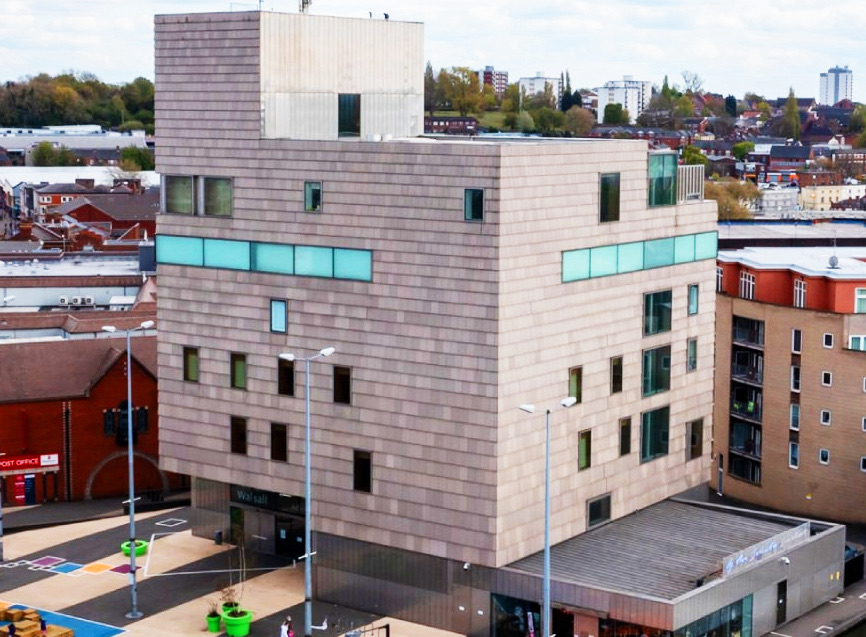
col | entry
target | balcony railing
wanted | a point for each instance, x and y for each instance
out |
(748, 408)
(747, 373)
(749, 336)
(690, 183)
(748, 448)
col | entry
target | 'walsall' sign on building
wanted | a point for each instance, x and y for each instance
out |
(29, 463)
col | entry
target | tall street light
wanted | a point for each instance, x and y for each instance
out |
(545, 590)
(308, 491)
(133, 613)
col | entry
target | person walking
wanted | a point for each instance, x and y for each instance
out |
(286, 628)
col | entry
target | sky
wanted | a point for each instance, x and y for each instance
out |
(736, 46)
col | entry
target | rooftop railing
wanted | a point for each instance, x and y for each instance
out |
(690, 183)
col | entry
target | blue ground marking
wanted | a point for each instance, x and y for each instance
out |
(66, 568)
(81, 627)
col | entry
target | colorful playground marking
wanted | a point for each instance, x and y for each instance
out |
(52, 564)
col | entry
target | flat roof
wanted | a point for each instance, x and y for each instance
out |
(795, 230)
(25, 265)
(809, 261)
(658, 552)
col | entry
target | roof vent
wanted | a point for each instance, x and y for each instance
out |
(834, 262)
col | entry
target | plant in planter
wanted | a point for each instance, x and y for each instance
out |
(237, 620)
(213, 616)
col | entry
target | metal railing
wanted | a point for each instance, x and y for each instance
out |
(748, 408)
(749, 336)
(747, 372)
(690, 183)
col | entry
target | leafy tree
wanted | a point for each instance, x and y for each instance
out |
(578, 121)
(576, 99)
(741, 150)
(860, 142)
(567, 98)
(683, 107)
(462, 89)
(65, 157)
(43, 154)
(430, 101)
(692, 82)
(857, 121)
(766, 111)
(615, 114)
(791, 116)
(731, 105)
(511, 99)
(489, 102)
(546, 99)
(525, 123)
(692, 155)
(547, 119)
(137, 158)
(666, 96)
(734, 198)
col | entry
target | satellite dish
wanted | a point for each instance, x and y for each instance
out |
(834, 262)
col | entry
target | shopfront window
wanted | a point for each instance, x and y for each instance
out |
(731, 621)
(514, 617)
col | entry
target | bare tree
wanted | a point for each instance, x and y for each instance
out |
(692, 82)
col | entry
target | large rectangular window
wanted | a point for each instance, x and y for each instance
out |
(238, 371)
(279, 442)
(190, 364)
(695, 439)
(279, 316)
(216, 196)
(349, 115)
(615, 374)
(624, 436)
(609, 197)
(657, 312)
(238, 435)
(362, 471)
(584, 450)
(285, 377)
(178, 197)
(312, 196)
(598, 511)
(654, 433)
(575, 383)
(656, 370)
(662, 179)
(342, 385)
(473, 204)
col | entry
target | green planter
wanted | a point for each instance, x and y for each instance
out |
(238, 626)
(213, 623)
(140, 548)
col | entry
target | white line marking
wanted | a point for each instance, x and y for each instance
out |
(170, 522)
(780, 634)
(863, 596)
(823, 630)
(837, 600)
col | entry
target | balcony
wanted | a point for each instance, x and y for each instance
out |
(690, 183)
(749, 337)
(747, 373)
(749, 409)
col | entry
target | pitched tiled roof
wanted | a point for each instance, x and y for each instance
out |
(64, 369)
(118, 206)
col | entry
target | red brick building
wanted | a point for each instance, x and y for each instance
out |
(69, 398)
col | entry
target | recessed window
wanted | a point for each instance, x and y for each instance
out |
(654, 433)
(239, 435)
(584, 450)
(624, 436)
(824, 456)
(796, 341)
(863, 424)
(349, 115)
(662, 173)
(473, 204)
(177, 194)
(826, 417)
(279, 316)
(795, 378)
(609, 197)
(238, 371)
(747, 286)
(575, 383)
(694, 439)
(363, 471)
(693, 299)
(799, 293)
(615, 374)
(794, 421)
(857, 343)
(657, 312)
(190, 364)
(656, 370)
(793, 455)
(285, 377)
(312, 196)
(863, 464)
(828, 341)
(692, 355)
(827, 379)
(279, 442)
(860, 301)
(720, 280)
(216, 193)
(342, 385)
(598, 511)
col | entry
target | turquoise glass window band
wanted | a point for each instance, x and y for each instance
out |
(252, 256)
(591, 263)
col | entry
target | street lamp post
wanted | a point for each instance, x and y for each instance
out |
(545, 590)
(308, 490)
(133, 613)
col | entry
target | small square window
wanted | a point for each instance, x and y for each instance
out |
(216, 196)
(828, 341)
(616, 374)
(695, 439)
(826, 417)
(624, 436)
(342, 385)
(279, 442)
(239, 435)
(363, 471)
(279, 316)
(238, 371)
(793, 455)
(473, 204)
(584, 450)
(598, 511)
(824, 456)
(177, 194)
(190, 364)
(609, 197)
(693, 299)
(796, 341)
(575, 383)
(312, 196)
(827, 379)
(692, 355)
(285, 377)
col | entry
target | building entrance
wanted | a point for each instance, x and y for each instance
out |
(289, 537)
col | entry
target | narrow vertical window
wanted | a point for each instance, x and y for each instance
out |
(312, 196)
(799, 293)
(693, 299)
(827, 379)
(238, 435)
(342, 385)
(692, 355)
(624, 436)
(824, 456)
(575, 383)
(609, 197)
(584, 450)
(657, 312)
(656, 370)
(279, 442)
(794, 422)
(826, 417)
(285, 377)
(796, 341)
(747, 286)
(720, 280)
(695, 439)
(828, 341)
(793, 455)
(654, 433)
(279, 316)
(473, 204)
(616, 374)
(238, 371)
(363, 471)
(190, 364)
(795, 378)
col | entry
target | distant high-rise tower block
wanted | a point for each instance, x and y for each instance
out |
(837, 84)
